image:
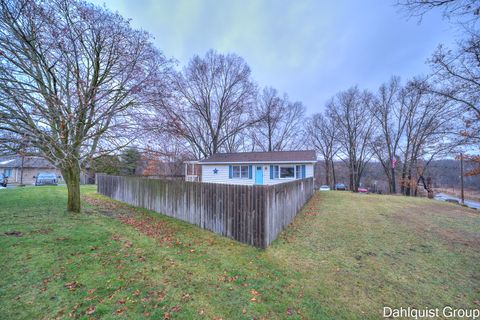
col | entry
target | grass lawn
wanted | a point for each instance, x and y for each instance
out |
(345, 256)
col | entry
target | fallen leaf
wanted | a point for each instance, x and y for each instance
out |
(176, 308)
(91, 310)
(115, 237)
(120, 311)
(71, 285)
(166, 315)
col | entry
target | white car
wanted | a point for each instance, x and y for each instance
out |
(324, 188)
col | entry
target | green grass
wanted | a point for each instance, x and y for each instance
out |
(345, 256)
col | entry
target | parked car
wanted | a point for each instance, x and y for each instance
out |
(3, 180)
(324, 188)
(362, 190)
(46, 178)
(340, 186)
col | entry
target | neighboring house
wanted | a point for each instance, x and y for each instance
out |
(255, 168)
(11, 166)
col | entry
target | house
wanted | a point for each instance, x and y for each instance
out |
(11, 166)
(254, 168)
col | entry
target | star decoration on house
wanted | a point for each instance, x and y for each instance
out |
(215, 171)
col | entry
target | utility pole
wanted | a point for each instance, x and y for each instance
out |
(462, 195)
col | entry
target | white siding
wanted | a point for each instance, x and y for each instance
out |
(221, 176)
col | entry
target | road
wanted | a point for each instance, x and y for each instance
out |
(444, 197)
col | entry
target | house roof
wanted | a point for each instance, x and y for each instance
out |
(263, 157)
(29, 162)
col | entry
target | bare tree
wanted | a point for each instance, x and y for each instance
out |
(456, 76)
(351, 112)
(69, 72)
(323, 135)
(211, 105)
(463, 9)
(427, 119)
(390, 119)
(456, 73)
(280, 124)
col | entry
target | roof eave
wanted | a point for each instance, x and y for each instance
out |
(259, 162)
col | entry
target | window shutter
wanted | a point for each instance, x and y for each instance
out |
(303, 171)
(230, 172)
(250, 172)
(271, 172)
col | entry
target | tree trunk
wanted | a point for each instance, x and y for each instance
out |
(393, 187)
(71, 174)
(21, 170)
(333, 174)
(327, 171)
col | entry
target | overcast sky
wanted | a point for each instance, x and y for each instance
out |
(308, 49)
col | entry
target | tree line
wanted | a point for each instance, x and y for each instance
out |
(77, 82)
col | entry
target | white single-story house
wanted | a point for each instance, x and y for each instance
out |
(255, 168)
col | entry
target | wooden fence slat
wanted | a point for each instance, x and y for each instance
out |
(250, 214)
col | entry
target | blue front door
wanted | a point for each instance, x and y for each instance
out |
(258, 175)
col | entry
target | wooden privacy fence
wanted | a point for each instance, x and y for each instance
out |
(249, 214)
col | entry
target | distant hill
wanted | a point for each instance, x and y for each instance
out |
(444, 173)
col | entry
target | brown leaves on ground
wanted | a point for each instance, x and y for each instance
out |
(102, 203)
(226, 278)
(255, 294)
(151, 227)
(311, 209)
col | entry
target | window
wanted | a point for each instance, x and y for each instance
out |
(274, 172)
(240, 172)
(300, 171)
(287, 172)
(7, 172)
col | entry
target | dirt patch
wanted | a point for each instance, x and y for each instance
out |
(14, 233)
